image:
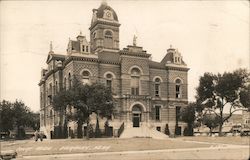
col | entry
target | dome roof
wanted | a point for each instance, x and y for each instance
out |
(101, 10)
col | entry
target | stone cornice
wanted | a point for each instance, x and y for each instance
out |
(136, 54)
(99, 21)
(80, 59)
(178, 68)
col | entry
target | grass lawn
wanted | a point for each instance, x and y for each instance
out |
(30, 147)
(236, 140)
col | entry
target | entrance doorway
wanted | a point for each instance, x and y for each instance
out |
(136, 111)
(136, 120)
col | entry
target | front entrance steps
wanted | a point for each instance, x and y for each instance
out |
(142, 132)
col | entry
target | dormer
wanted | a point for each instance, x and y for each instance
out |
(81, 45)
(173, 57)
(177, 58)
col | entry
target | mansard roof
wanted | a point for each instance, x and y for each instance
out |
(75, 45)
(169, 57)
(156, 65)
(104, 6)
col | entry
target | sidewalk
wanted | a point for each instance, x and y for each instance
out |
(216, 150)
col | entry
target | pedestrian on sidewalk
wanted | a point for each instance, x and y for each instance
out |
(36, 135)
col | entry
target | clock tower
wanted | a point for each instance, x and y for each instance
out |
(104, 29)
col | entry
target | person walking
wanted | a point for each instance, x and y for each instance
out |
(41, 136)
(36, 135)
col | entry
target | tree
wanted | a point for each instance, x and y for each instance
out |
(86, 99)
(217, 91)
(60, 102)
(6, 120)
(245, 96)
(211, 121)
(188, 116)
(17, 115)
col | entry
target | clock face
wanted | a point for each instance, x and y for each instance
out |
(108, 14)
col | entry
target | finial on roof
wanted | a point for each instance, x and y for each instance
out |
(134, 40)
(80, 33)
(51, 47)
(170, 45)
(104, 2)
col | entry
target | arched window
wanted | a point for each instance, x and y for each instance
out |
(85, 77)
(108, 34)
(157, 87)
(69, 81)
(109, 80)
(135, 81)
(177, 88)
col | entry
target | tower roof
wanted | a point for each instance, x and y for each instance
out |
(101, 10)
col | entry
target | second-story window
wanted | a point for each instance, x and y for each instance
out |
(157, 87)
(109, 81)
(178, 88)
(83, 48)
(85, 77)
(135, 81)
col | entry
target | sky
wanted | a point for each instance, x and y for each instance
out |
(212, 36)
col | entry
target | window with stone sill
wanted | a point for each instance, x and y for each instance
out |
(135, 81)
(157, 113)
(178, 88)
(83, 48)
(85, 77)
(157, 87)
(109, 81)
(108, 34)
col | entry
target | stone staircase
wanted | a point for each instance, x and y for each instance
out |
(142, 132)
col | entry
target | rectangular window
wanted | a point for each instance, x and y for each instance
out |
(87, 48)
(109, 84)
(157, 91)
(157, 113)
(134, 91)
(135, 86)
(83, 48)
(178, 91)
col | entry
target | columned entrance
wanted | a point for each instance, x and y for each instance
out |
(136, 115)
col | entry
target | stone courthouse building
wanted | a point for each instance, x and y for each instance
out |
(149, 94)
